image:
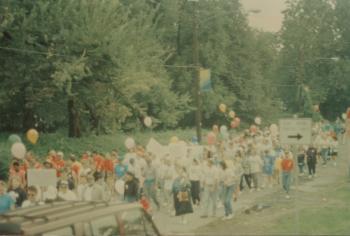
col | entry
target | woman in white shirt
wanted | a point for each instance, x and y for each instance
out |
(195, 174)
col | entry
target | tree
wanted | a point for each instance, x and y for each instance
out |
(308, 39)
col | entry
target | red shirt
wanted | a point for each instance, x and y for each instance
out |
(76, 167)
(108, 165)
(99, 162)
(145, 204)
(287, 165)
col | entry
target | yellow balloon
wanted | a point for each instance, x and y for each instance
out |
(222, 107)
(232, 114)
(32, 136)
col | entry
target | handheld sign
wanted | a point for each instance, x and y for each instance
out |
(42, 178)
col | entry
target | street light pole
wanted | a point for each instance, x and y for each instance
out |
(195, 55)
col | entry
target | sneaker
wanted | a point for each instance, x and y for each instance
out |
(287, 197)
(315, 176)
(310, 176)
(229, 217)
(335, 164)
(224, 218)
(184, 222)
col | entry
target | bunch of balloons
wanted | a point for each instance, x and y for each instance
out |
(18, 149)
(235, 122)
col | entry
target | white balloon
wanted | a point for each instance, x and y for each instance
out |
(343, 116)
(148, 121)
(258, 120)
(18, 150)
(129, 143)
(223, 129)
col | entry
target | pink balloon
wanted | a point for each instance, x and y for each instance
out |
(211, 138)
(253, 129)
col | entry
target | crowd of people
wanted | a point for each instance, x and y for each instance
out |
(206, 181)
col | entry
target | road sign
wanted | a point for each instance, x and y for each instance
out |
(296, 131)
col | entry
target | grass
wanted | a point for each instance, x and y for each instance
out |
(326, 219)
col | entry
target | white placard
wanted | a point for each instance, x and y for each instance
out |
(295, 131)
(177, 150)
(42, 178)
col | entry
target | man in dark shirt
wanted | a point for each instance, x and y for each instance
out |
(311, 158)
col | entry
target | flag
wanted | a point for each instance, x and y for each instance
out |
(205, 81)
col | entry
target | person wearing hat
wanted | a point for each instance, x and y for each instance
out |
(131, 187)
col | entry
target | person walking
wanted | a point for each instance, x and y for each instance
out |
(301, 161)
(210, 189)
(182, 195)
(256, 164)
(246, 173)
(150, 182)
(195, 173)
(311, 161)
(230, 187)
(287, 167)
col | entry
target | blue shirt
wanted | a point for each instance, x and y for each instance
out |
(5, 203)
(120, 170)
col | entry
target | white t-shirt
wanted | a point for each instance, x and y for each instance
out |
(195, 172)
(210, 175)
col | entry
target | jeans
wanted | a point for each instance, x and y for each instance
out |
(247, 178)
(324, 154)
(301, 168)
(210, 197)
(286, 180)
(312, 168)
(195, 190)
(228, 191)
(255, 178)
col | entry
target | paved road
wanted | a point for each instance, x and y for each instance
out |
(171, 225)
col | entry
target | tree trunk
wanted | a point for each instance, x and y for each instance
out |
(73, 119)
(28, 118)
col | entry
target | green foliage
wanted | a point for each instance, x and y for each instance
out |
(104, 54)
(314, 54)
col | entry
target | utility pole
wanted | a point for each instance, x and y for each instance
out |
(197, 92)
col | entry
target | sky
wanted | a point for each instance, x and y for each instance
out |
(270, 17)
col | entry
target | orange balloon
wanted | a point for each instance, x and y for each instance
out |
(32, 136)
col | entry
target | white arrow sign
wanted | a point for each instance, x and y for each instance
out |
(296, 131)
